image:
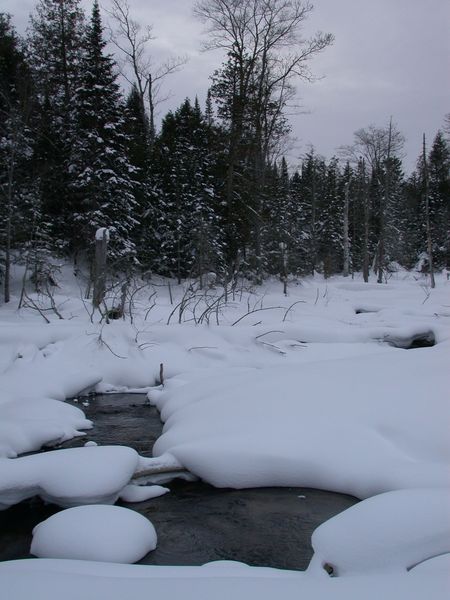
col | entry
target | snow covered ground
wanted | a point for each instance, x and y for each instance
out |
(313, 389)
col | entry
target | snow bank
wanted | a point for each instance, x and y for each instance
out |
(139, 493)
(26, 425)
(393, 531)
(361, 426)
(46, 579)
(309, 394)
(98, 533)
(70, 477)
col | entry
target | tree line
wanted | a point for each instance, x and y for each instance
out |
(210, 191)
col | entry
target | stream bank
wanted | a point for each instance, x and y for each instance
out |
(196, 523)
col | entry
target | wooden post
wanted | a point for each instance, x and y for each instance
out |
(101, 252)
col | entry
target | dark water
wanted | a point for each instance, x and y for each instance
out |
(195, 522)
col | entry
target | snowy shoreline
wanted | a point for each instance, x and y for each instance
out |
(319, 399)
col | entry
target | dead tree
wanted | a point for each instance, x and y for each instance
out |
(101, 252)
(427, 214)
(266, 53)
(132, 39)
(346, 240)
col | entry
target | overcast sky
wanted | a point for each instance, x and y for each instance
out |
(389, 58)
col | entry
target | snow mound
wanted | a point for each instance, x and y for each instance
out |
(53, 579)
(70, 477)
(99, 533)
(26, 425)
(392, 531)
(330, 424)
(139, 493)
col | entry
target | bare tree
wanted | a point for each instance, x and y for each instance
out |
(266, 52)
(447, 125)
(133, 40)
(377, 147)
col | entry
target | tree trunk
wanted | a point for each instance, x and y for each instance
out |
(151, 105)
(313, 224)
(384, 204)
(366, 224)
(345, 232)
(427, 216)
(8, 232)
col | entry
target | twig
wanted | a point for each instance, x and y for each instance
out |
(267, 333)
(291, 306)
(317, 297)
(257, 310)
(202, 348)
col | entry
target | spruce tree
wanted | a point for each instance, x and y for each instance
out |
(396, 217)
(103, 183)
(16, 185)
(313, 180)
(55, 47)
(330, 220)
(187, 212)
(439, 199)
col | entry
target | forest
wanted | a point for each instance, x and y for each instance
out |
(208, 189)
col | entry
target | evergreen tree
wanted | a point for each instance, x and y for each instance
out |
(140, 156)
(16, 185)
(330, 220)
(55, 47)
(187, 215)
(280, 226)
(103, 183)
(313, 179)
(396, 216)
(439, 199)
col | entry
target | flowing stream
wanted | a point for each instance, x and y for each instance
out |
(195, 522)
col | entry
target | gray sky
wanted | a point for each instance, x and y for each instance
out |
(389, 58)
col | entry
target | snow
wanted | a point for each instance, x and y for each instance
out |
(314, 389)
(139, 493)
(50, 579)
(97, 533)
(102, 234)
(392, 532)
(325, 424)
(28, 424)
(87, 475)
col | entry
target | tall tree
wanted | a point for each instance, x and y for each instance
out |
(439, 199)
(378, 147)
(252, 89)
(103, 186)
(133, 39)
(55, 47)
(190, 240)
(330, 218)
(16, 103)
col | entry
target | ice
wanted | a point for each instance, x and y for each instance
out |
(98, 533)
